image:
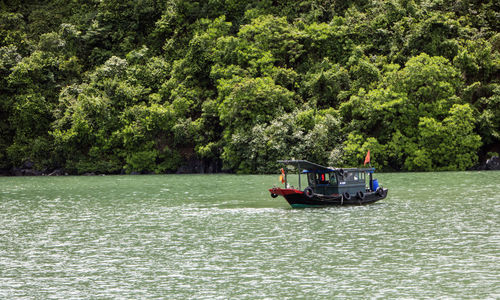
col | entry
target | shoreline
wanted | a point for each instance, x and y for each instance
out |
(492, 164)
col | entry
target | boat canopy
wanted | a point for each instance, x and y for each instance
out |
(305, 165)
(308, 167)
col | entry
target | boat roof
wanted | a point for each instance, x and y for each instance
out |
(308, 166)
(304, 164)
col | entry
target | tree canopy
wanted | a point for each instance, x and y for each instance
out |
(120, 86)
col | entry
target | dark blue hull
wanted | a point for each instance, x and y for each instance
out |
(298, 200)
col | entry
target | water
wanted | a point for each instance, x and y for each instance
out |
(437, 235)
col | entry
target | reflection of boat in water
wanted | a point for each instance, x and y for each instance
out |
(329, 186)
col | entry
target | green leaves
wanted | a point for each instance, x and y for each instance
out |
(146, 86)
(415, 113)
(247, 101)
(300, 133)
(447, 145)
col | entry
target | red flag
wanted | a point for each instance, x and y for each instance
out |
(367, 158)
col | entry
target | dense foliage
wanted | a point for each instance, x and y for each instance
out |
(116, 86)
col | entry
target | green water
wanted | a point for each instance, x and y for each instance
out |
(437, 235)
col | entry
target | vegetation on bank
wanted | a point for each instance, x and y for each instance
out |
(146, 86)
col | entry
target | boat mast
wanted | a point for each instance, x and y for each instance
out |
(298, 170)
(371, 181)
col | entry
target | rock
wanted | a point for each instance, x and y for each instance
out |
(16, 171)
(31, 172)
(27, 169)
(57, 172)
(200, 166)
(25, 172)
(28, 165)
(186, 169)
(493, 163)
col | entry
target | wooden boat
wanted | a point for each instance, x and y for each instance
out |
(329, 186)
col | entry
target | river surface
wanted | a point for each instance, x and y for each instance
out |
(437, 235)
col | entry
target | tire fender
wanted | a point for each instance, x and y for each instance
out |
(308, 191)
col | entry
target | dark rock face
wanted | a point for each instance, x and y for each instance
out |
(32, 172)
(57, 172)
(193, 165)
(16, 172)
(199, 166)
(493, 163)
(25, 172)
(28, 165)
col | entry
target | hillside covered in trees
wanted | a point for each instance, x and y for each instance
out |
(114, 86)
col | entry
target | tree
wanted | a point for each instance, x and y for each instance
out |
(414, 111)
(146, 86)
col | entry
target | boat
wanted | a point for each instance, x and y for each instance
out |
(328, 186)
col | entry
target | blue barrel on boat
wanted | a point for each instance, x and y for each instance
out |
(374, 184)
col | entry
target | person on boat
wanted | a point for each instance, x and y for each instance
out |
(322, 178)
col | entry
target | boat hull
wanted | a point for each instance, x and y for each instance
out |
(298, 199)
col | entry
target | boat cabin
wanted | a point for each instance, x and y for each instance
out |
(328, 180)
(332, 182)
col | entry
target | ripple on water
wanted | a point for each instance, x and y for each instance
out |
(144, 237)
